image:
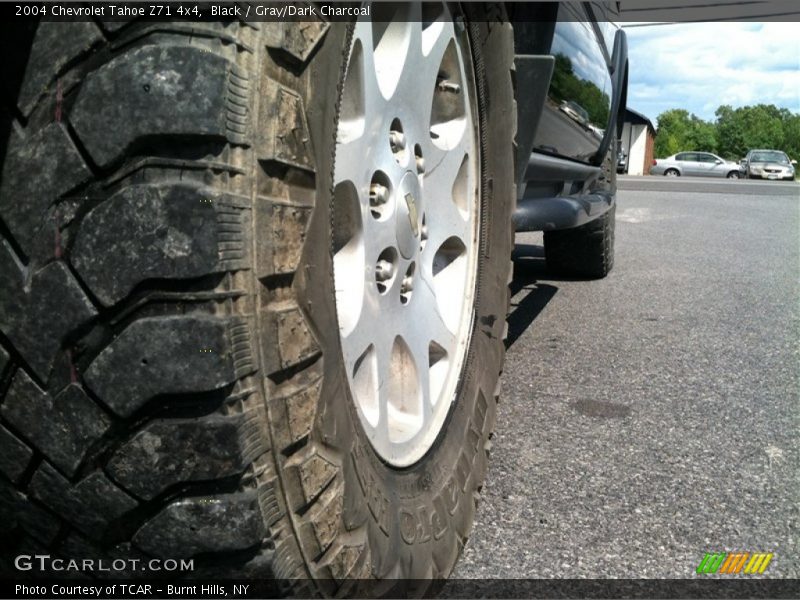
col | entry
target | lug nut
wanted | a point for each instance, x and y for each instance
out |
(397, 140)
(445, 85)
(383, 270)
(378, 194)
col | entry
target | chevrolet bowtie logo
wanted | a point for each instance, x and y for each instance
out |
(412, 213)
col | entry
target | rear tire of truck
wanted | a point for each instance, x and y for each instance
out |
(587, 250)
(180, 242)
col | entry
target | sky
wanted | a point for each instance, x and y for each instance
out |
(700, 66)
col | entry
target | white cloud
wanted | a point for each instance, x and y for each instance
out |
(576, 39)
(699, 66)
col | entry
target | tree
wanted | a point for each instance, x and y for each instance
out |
(748, 127)
(735, 132)
(791, 136)
(566, 85)
(678, 131)
(730, 134)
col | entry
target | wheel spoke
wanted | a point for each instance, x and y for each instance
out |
(363, 107)
(449, 188)
(424, 383)
(363, 36)
(421, 69)
(431, 342)
(379, 320)
(384, 356)
(427, 317)
(378, 236)
(359, 339)
(391, 37)
(435, 40)
(350, 164)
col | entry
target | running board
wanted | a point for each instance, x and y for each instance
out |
(560, 212)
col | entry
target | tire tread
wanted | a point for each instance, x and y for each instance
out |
(100, 450)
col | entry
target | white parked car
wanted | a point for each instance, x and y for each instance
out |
(702, 164)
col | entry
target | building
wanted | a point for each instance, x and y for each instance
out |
(638, 137)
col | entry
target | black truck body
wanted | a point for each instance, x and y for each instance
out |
(572, 77)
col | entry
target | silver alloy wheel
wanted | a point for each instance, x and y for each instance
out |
(405, 224)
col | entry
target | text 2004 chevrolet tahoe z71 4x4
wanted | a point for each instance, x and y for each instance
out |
(254, 275)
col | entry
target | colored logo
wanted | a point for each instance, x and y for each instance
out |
(732, 563)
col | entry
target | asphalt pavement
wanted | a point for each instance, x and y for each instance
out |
(652, 416)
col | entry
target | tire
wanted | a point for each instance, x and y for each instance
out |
(171, 368)
(671, 173)
(586, 250)
(733, 175)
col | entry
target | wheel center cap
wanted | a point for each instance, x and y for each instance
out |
(408, 214)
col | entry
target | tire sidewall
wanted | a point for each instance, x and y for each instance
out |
(413, 522)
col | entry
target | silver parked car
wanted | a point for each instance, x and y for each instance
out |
(575, 112)
(768, 164)
(702, 164)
